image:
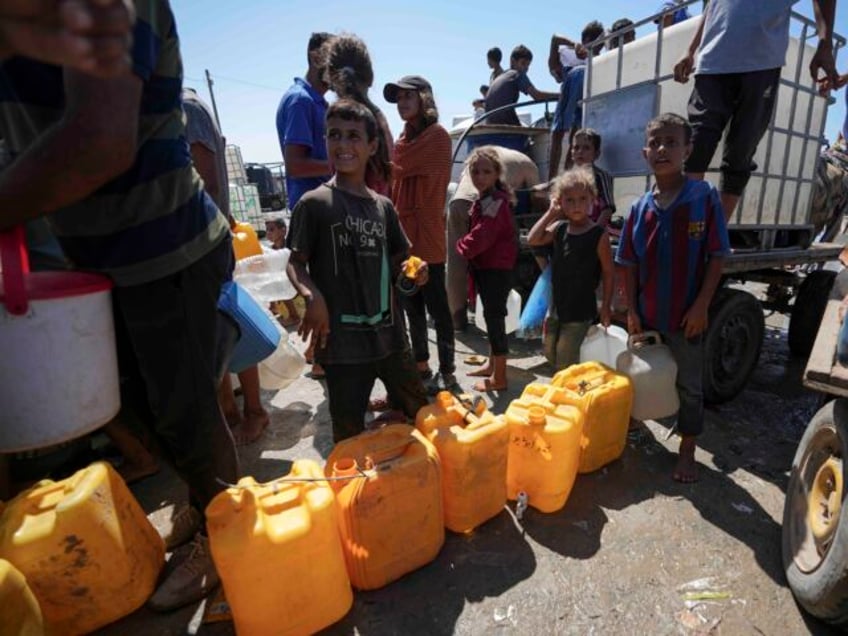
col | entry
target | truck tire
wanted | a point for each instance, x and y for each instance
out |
(731, 344)
(814, 539)
(808, 310)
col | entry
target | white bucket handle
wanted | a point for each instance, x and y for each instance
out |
(15, 260)
(644, 339)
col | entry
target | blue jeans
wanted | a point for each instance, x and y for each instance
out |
(689, 355)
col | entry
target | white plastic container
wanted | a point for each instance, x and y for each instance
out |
(264, 276)
(282, 367)
(59, 366)
(603, 345)
(513, 312)
(653, 372)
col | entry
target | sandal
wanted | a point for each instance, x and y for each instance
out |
(379, 404)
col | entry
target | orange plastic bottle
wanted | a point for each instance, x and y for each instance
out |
(390, 518)
(245, 241)
(544, 450)
(605, 397)
(472, 446)
(277, 550)
(19, 611)
(85, 546)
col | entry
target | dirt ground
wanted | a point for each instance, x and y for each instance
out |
(622, 555)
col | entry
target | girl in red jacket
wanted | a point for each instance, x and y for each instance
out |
(491, 249)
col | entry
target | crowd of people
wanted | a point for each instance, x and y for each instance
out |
(101, 147)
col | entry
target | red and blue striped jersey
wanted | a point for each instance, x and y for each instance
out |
(671, 248)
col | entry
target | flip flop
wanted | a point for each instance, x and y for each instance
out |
(475, 360)
(315, 376)
(379, 404)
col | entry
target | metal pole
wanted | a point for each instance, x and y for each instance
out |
(209, 83)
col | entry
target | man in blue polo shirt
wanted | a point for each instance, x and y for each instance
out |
(300, 126)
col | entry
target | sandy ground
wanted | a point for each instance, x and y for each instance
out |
(618, 559)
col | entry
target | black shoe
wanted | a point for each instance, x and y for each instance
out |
(443, 382)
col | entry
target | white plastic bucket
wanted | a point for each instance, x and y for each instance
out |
(653, 372)
(603, 345)
(513, 312)
(59, 366)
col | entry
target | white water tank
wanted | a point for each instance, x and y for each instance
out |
(778, 194)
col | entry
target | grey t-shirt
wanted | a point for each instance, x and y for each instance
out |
(349, 242)
(504, 90)
(741, 36)
(202, 129)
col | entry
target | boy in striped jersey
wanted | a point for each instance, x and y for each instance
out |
(673, 246)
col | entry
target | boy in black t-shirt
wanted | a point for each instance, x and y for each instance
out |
(348, 248)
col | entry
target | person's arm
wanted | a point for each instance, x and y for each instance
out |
(607, 274)
(541, 233)
(684, 67)
(300, 164)
(631, 292)
(696, 318)
(316, 318)
(93, 36)
(553, 55)
(824, 11)
(627, 258)
(537, 94)
(204, 162)
(94, 142)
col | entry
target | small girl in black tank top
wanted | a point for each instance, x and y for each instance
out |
(581, 258)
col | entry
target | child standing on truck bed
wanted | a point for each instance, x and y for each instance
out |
(581, 258)
(491, 248)
(673, 245)
(350, 239)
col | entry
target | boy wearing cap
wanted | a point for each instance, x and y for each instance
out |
(422, 169)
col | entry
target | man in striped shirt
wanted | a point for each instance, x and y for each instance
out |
(107, 161)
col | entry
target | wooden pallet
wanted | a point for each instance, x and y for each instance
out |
(823, 373)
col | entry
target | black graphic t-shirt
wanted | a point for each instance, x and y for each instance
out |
(349, 242)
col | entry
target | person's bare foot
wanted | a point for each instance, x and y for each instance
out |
(233, 417)
(489, 384)
(483, 372)
(133, 471)
(686, 470)
(251, 428)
